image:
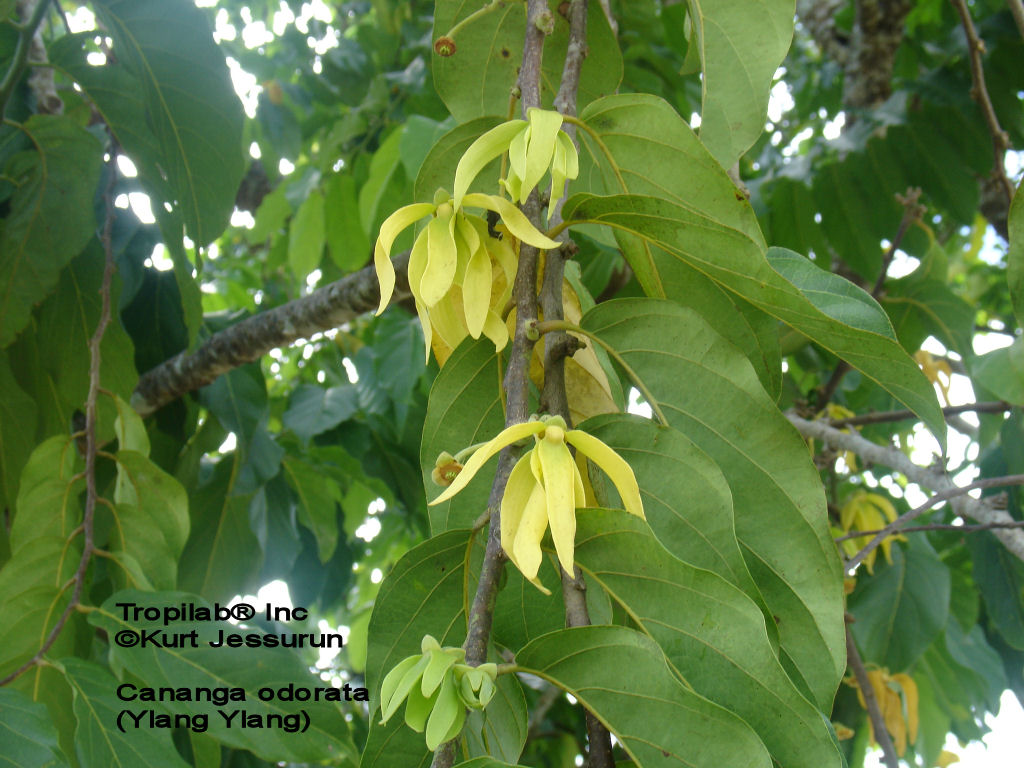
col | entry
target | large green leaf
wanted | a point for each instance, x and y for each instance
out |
(686, 497)
(710, 632)
(478, 78)
(707, 390)
(1000, 578)
(1001, 371)
(1015, 253)
(249, 668)
(740, 45)
(51, 214)
(307, 236)
(152, 518)
(464, 408)
(184, 92)
(438, 168)
(105, 737)
(222, 556)
(902, 608)
(17, 432)
(51, 359)
(27, 733)
(319, 497)
(621, 676)
(828, 309)
(42, 559)
(926, 307)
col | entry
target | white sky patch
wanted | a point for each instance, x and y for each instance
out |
(82, 19)
(159, 259)
(142, 207)
(95, 58)
(834, 127)
(902, 264)
(376, 575)
(223, 29)
(313, 278)
(350, 370)
(229, 443)
(246, 86)
(126, 167)
(242, 219)
(285, 166)
(369, 529)
(282, 19)
(779, 101)
(637, 404)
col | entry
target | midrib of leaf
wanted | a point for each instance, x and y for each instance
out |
(95, 715)
(221, 521)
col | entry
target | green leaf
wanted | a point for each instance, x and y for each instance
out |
(27, 733)
(485, 762)
(42, 559)
(828, 309)
(52, 358)
(51, 214)
(1015, 254)
(239, 401)
(740, 48)
(478, 78)
(378, 198)
(1000, 579)
(307, 236)
(621, 676)
(902, 607)
(99, 742)
(711, 633)
(319, 497)
(922, 308)
(248, 668)
(347, 241)
(152, 517)
(222, 556)
(463, 409)
(313, 410)
(182, 82)
(17, 432)
(1001, 372)
(501, 728)
(778, 502)
(686, 498)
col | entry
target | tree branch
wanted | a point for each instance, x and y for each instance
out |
(887, 416)
(325, 308)
(1017, 9)
(870, 702)
(977, 509)
(22, 48)
(877, 35)
(934, 527)
(1000, 140)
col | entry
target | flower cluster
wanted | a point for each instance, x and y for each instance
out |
(545, 488)
(866, 511)
(437, 686)
(461, 269)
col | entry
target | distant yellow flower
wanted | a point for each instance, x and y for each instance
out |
(865, 511)
(938, 371)
(545, 488)
(898, 702)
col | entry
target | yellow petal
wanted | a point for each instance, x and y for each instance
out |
(526, 546)
(517, 157)
(613, 465)
(579, 493)
(572, 158)
(544, 125)
(513, 185)
(417, 265)
(495, 330)
(476, 292)
(507, 436)
(513, 502)
(424, 316)
(389, 230)
(910, 696)
(468, 228)
(557, 465)
(481, 152)
(515, 220)
(442, 258)
(447, 318)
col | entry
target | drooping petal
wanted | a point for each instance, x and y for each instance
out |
(398, 682)
(495, 330)
(557, 464)
(489, 146)
(507, 436)
(442, 258)
(517, 156)
(572, 158)
(389, 230)
(579, 493)
(447, 319)
(476, 292)
(445, 714)
(417, 264)
(611, 464)
(428, 331)
(468, 228)
(513, 502)
(526, 552)
(544, 125)
(515, 220)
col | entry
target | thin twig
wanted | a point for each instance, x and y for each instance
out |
(980, 510)
(906, 517)
(1000, 139)
(1017, 9)
(886, 416)
(870, 702)
(91, 444)
(935, 527)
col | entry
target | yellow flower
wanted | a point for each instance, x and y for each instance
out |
(545, 488)
(866, 511)
(534, 146)
(899, 712)
(455, 250)
(932, 368)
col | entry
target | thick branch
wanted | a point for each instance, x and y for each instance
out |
(877, 34)
(326, 308)
(966, 506)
